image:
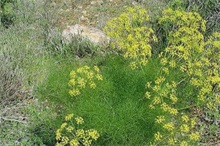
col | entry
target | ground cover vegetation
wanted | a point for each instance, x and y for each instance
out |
(157, 83)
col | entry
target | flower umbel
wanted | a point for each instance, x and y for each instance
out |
(70, 133)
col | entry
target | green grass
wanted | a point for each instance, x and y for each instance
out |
(116, 108)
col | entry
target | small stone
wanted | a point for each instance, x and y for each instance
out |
(53, 4)
(83, 18)
(94, 35)
(99, 2)
(80, 7)
(92, 23)
(134, 3)
(84, 12)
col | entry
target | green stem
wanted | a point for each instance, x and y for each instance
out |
(142, 69)
(187, 107)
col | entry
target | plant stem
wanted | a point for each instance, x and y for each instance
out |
(187, 107)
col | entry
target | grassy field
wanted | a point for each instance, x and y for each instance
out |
(123, 107)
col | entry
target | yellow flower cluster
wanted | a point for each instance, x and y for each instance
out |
(68, 134)
(193, 55)
(83, 77)
(196, 60)
(129, 33)
(164, 93)
(178, 133)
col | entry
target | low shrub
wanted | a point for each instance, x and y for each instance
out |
(77, 47)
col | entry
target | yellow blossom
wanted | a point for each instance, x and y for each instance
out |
(92, 85)
(173, 111)
(69, 117)
(156, 88)
(165, 70)
(159, 80)
(58, 134)
(183, 143)
(195, 136)
(152, 144)
(171, 141)
(169, 126)
(90, 75)
(99, 77)
(151, 106)
(96, 68)
(80, 133)
(148, 85)
(72, 82)
(143, 61)
(64, 140)
(160, 119)
(156, 100)
(172, 63)
(173, 98)
(147, 95)
(59, 144)
(80, 70)
(133, 65)
(157, 136)
(86, 67)
(74, 92)
(79, 120)
(184, 128)
(70, 128)
(63, 125)
(185, 118)
(86, 141)
(163, 61)
(93, 134)
(74, 142)
(72, 74)
(81, 82)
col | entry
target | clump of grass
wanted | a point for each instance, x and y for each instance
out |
(10, 78)
(78, 47)
(115, 108)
